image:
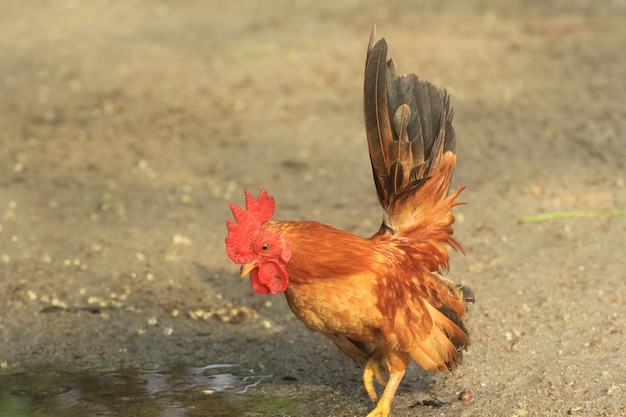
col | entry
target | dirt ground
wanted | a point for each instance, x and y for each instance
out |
(126, 128)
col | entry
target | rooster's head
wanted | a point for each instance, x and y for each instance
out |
(261, 251)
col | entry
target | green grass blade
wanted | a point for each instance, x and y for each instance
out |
(572, 215)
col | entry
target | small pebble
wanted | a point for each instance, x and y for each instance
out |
(466, 395)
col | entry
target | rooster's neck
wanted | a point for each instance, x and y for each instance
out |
(321, 251)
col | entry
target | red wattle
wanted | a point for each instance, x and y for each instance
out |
(256, 282)
(273, 276)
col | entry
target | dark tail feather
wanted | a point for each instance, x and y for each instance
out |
(468, 294)
(408, 123)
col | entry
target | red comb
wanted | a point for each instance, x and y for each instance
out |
(247, 225)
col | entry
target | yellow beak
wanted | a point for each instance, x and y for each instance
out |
(247, 268)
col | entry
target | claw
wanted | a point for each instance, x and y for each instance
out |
(374, 368)
(383, 407)
(382, 410)
(396, 363)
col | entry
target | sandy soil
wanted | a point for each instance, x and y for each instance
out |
(127, 127)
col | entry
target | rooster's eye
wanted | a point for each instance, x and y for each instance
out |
(265, 247)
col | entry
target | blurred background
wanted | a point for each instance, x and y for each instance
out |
(126, 129)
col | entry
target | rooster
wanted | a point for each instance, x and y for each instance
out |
(381, 300)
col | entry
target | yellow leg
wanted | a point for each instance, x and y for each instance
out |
(397, 362)
(374, 368)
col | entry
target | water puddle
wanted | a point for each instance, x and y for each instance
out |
(222, 390)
